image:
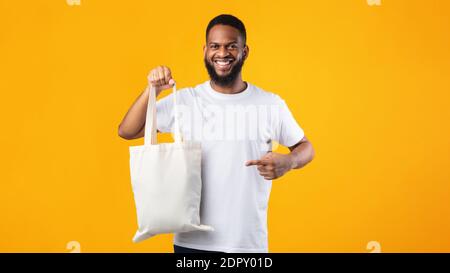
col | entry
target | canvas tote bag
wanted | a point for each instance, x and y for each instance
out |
(166, 180)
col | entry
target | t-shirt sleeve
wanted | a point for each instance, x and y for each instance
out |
(288, 132)
(164, 114)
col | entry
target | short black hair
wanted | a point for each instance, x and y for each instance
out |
(227, 20)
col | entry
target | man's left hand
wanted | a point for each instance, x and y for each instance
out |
(272, 165)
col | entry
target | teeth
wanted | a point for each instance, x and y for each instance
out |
(223, 63)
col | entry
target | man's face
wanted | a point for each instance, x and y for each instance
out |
(225, 53)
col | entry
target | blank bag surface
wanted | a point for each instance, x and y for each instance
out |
(166, 180)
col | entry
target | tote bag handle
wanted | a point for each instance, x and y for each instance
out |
(150, 119)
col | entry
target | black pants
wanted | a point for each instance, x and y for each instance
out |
(180, 249)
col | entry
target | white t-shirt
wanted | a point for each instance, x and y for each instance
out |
(232, 129)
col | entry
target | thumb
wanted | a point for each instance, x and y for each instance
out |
(267, 155)
(167, 86)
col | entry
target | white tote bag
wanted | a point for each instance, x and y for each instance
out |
(166, 180)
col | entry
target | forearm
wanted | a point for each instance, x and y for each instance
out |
(302, 154)
(134, 120)
(133, 124)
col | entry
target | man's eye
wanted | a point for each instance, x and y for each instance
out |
(214, 46)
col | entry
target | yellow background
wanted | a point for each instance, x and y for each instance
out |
(369, 85)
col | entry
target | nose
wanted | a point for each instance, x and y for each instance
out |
(223, 52)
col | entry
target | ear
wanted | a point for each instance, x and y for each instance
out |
(246, 51)
(204, 49)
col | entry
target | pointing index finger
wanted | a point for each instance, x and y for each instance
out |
(253, 162)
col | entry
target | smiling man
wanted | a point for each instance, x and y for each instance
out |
(236, 123)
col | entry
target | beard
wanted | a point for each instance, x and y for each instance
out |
(229, 78)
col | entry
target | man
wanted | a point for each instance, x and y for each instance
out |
(236, 123)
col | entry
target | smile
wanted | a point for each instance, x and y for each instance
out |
(223, 64)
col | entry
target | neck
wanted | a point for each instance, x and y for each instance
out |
(235, 87)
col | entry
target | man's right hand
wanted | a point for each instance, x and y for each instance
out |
(161, 78)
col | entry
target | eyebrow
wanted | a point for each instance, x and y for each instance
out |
(233, 42)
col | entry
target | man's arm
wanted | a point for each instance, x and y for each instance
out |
(133, 124)
(274, 165)
(301, 153)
